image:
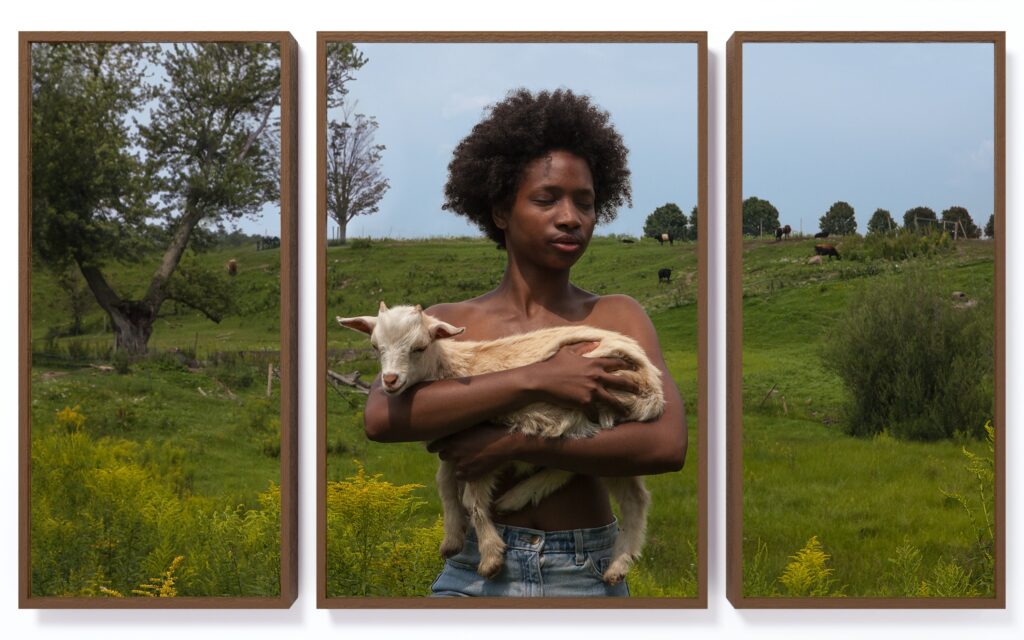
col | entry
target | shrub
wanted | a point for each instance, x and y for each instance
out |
(807, 574)
(371, 548)
(914, 364)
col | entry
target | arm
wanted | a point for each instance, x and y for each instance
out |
(439, 408)
(634, 448)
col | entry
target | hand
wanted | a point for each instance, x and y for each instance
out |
(475, 451)
(570, 380)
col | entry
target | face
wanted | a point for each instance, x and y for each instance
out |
(553, 215)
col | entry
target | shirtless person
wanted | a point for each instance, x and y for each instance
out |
(537, 174)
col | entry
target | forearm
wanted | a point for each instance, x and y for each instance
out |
(438, 408)
(630, 449)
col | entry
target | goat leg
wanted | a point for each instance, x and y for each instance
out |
(634, 500)
(454, 513)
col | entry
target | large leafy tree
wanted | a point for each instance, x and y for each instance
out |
(692, 230)
(962, 216)
(990, 226)
(839, 220)
(759, 216)
(207, 155)
(668, 218)
(355, 180)
(919, 218)
(881, 222)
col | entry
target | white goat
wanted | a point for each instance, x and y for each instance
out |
(412, 348)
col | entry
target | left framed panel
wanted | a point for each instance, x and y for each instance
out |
(158, 320)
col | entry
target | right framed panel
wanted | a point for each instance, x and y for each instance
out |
(866, 329)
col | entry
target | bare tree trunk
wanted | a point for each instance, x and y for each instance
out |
(132, 320)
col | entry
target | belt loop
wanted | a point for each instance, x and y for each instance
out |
(581, 555)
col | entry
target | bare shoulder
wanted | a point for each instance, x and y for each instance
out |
(621, 313)
(467, 312)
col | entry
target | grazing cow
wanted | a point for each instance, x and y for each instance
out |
(783, 231)
(827, 250)
(665, 275)
(821, 234)
(232, 267)
(663, 238)
(628, 240)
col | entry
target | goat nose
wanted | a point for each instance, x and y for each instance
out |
(390, 379)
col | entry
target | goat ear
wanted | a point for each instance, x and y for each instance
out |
(364, 324)
(439, 330)
(383, 307)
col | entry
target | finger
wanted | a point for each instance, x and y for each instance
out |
(579, 348)
(611, 381)
(612, 364)
(436, 445)
(613, 403)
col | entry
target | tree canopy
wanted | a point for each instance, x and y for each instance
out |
(692, 229)
(961, 215)
(916, 217)
(668, 218)
(839, 220)
(881, 222)
(990, 226)
(759, 216)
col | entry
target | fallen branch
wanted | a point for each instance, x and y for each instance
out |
(350, 380)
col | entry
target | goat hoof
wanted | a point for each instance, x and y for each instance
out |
(450, 547)
(489, 568)
(615, 573)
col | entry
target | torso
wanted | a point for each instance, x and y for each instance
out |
(583, 501)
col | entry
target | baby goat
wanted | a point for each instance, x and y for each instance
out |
(413, 346)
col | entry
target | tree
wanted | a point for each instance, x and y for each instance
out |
(343, 60)
(881, 223)
(759, 216)
(990, 226)
(668, 218)
(211, 154)
(960, 214)
(355, 183)
(839, 220)
(916, 218)
(693, 224)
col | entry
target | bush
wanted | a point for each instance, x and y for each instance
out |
(915, 365)
(902, 245)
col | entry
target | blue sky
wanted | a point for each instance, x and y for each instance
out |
(878, 125)
(427, 97)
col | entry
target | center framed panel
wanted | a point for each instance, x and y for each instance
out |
(512, 224)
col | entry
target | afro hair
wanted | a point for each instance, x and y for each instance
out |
(488, 164)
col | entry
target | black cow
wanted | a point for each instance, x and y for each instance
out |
(665, 275)
(782, 231)
(827, 250)
(821, 234)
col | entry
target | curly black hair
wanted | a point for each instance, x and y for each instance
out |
(488, 164)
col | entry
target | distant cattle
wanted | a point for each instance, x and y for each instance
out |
(826, 250)
(666, 237)
(664, 275)
(232, 267)
(821, 234)
(628, 240)
(782, 231)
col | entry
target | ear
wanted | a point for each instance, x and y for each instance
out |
(439, 330)
(364, 324)
(499, 215)
(383, 307)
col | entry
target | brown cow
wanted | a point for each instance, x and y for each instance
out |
(232, 267)
(827, 250)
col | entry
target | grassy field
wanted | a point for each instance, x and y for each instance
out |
(885, 512)
(191, 421)
(427, 272)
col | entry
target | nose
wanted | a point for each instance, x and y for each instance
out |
(389, 379)
(566, 215)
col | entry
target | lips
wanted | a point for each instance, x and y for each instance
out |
(567, 243)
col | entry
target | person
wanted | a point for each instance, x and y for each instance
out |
(536, 175)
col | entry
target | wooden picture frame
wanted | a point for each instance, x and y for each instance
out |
(735, 325)
(286, 157)
(699, 452)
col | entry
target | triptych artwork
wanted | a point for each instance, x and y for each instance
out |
(512, 302)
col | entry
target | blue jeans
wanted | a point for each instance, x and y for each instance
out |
(537, 563)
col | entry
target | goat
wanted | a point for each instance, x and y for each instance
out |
(413, 346)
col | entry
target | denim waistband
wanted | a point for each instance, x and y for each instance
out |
(572, 540)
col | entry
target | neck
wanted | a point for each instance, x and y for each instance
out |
(527, 286)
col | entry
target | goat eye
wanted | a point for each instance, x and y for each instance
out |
(419, 349)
